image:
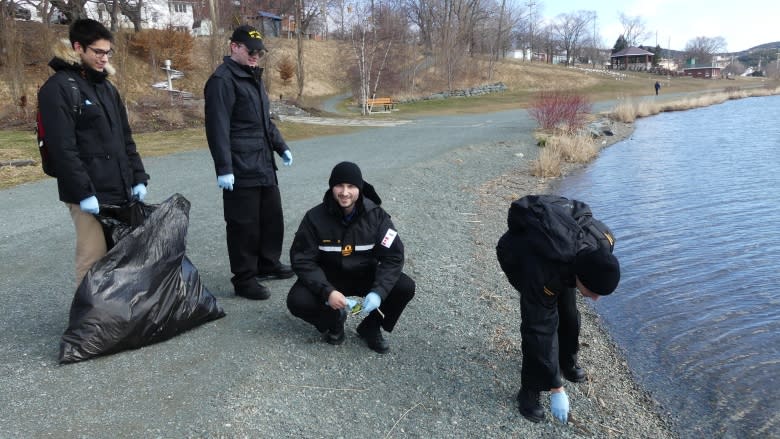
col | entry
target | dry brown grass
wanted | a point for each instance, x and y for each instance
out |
(576, 148)
(563, 148)
(631, 109)
(11, 176)
(547, 164)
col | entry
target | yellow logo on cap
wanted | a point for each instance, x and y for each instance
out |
(255, 34)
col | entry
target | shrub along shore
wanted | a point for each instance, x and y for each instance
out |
(580, 144)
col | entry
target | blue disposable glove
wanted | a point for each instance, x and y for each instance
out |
(370, 303)
(559, 406)
(351, 303)
(226, 181)
(287, 158)
(139, 191)
(90, 205)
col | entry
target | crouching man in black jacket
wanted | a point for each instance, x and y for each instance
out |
(348, 246)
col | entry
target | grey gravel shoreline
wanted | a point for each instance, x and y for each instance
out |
(453, 369)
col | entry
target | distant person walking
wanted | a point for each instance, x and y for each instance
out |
(657, 87)
(242, 139)
(90, 144)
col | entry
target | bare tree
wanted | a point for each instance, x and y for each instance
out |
(634, 29)
(701, 49)
(570, 30)
(12, 58)
(73, 9)
(423, 13)
(299, 38)
(338, 11)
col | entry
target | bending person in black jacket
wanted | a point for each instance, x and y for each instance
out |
(348, 246)
(91, 147)
(553, 248)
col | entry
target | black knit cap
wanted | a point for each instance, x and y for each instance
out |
(346, 172)
(599, 271)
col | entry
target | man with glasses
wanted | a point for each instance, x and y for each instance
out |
(91, 147)
(242, 139)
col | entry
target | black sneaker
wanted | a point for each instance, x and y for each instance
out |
(372, 334)
(575, 374)
(530, 406)
(282, 272)
(252, 290)
(335, 335)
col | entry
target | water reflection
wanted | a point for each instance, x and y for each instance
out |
(692, 197)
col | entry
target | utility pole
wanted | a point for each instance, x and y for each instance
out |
(595, 44)
(531, 6)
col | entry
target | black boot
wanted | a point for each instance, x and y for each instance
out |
(575, 374)
(370, 331)
(251, 290)
(335, 334)
(529, 405)
(281, 272)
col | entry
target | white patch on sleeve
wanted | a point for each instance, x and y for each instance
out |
(387, 241)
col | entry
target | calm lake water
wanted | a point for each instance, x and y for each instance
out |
(694, 199)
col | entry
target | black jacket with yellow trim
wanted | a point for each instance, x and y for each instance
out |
(537, 255)
(327, 251)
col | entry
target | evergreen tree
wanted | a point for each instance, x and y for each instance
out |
(620, 44)
(657, 55)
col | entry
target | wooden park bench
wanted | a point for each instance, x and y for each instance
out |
(387, 103)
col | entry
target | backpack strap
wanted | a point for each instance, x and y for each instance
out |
(601, 233)
(75, 94)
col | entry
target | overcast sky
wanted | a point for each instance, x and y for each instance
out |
(743, 24)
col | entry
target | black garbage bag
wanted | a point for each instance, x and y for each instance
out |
(144, 290)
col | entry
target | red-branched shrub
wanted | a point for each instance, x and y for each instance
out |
(561, 110)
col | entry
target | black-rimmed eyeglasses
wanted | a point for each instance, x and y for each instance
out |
(101, 53)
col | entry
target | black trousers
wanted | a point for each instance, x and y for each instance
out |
(550, 337)
(255, 230)
(569, 322)
(311, 307)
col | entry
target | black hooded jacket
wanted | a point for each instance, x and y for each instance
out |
(537, 255)
(239, 130)
(327, 251)
(91, 149)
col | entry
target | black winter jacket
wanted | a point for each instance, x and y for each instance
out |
(91, 149)
(239, 129)
(327, 252)
(537, 255)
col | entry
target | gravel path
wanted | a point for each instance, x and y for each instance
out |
(453, 370)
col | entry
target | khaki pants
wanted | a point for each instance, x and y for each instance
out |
(90, 241)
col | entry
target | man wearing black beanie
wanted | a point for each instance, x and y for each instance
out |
(553, 248)
(348, 246)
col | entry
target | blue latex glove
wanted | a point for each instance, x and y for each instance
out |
(90, 205)
(226, 181)
(287, 158)
(139, 191)
(370, 303)
(559, 406)
(351, 303)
